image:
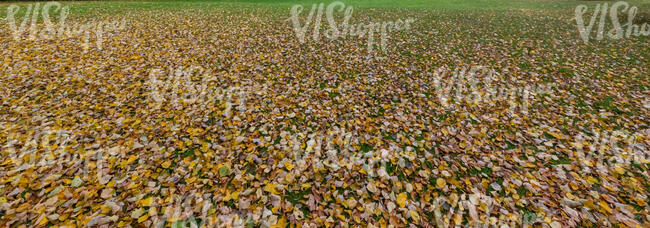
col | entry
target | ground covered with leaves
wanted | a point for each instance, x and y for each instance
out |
(222, 116)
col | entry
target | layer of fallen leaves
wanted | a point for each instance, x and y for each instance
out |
(337, 136)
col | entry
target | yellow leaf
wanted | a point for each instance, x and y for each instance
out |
(234, 195)
(110, 184)
(270, 187)
(281, 223)
(441, 183)
(591, 180)
(227, 197)
(146, 202)
(414, 215)
(205, 146)
(143, 218)
(569, 195)
(166, 164)
(131, 159)
(458, 219)
(605, 206)
(619, 170)
(43, 221)
(547, 220)
(289, 165)
(401, 199)
(153, 211)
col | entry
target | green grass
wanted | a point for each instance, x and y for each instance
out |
(446, 4)
(113, 7)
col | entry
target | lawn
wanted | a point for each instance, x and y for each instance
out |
(112, 7)
(469, 113)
